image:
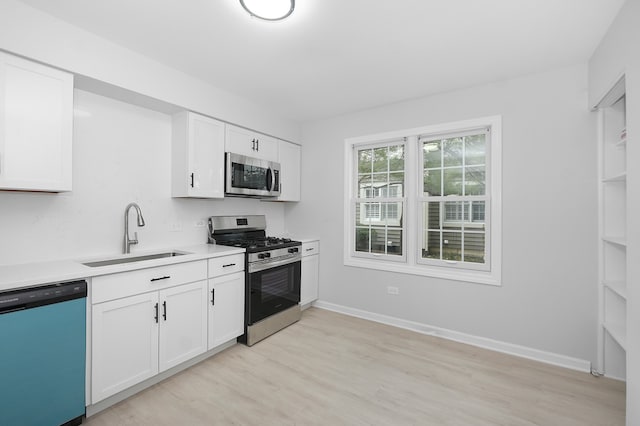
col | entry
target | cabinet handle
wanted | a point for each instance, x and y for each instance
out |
(156, 317)
(166, 277)
(228, 264)
(253, 144)
(192, 180)
(213, 297)
(164, 310)
(257, 144)
(309, 249)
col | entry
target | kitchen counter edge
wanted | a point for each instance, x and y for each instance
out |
(13, 277)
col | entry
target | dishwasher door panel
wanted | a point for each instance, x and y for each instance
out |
(42, 364)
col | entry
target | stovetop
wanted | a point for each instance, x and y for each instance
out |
(260, 244)
(247, 232)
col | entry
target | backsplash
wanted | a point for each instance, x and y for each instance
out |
(121, 154)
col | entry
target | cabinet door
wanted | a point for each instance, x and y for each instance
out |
(197, 156)
(226, 308)
(124, 344)
(183, 323)
(252, 144)
(289, 159)
(36, 126)
(309, 279)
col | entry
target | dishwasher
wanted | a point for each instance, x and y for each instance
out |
(43, 355)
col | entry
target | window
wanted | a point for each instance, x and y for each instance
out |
(378, 208)
(453, 187)
(426, 201)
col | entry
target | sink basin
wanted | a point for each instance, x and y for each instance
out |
(120, 260)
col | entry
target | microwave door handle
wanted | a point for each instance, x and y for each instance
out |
(269, 179)
(273, 181)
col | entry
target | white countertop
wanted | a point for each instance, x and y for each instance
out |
(37, 273)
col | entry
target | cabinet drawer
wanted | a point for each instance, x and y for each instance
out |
(311, 247)
(226, 265)
(123, 284)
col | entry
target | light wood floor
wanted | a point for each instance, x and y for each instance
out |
(332, 369)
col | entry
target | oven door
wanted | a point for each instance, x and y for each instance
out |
(273, 290)
(251, 176)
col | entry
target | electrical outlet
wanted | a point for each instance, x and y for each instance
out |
(393, 290)
(176, 226)
(200, 224)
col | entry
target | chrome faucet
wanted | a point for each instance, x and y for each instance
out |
(128, 242)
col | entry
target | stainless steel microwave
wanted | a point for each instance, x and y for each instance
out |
(251, 177)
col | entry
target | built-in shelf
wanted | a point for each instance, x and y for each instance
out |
(622, 177)
(618, 333)
(612, 252)
(620, 241)
(618, 287)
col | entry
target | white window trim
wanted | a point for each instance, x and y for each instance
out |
(412, 266)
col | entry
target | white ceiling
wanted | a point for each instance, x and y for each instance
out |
(336, 56)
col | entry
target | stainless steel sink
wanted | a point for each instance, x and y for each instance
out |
(120, 260)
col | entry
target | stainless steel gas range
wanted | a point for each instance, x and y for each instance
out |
(272, 268)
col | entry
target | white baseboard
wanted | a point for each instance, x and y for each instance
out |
(482, 342)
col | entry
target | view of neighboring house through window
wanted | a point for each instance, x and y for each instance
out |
(378, 208)
(454, 197)
(427, 201)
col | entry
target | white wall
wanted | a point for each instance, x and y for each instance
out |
(548, 297)
(618, 53)
(36, 35)
(122, 153)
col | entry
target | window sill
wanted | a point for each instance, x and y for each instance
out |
(476, 277)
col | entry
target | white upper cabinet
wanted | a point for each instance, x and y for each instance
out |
(289, 159)
(36, 126)
(252, 144)
(197, 156)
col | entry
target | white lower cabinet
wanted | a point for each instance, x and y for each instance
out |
(124, 344)
(226, 308)
(183, 324)
(310, 272)
(134, 337)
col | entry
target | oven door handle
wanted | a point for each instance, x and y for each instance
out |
(257, 267)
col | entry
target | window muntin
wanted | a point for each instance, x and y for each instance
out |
(454, 199)
(380, 186)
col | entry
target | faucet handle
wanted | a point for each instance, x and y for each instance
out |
(135, 239)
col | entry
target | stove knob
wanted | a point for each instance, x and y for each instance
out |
(261, 256)
(267, 255)
(293, 250)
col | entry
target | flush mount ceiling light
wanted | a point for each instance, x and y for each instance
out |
(269, 10)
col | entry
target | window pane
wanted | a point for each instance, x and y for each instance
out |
(432, 182)
(453, 215)
(474, 247)
(396, 184)
(453, 181)
(362, 239)
(396, 158)
(365, 188)
(475, 149)
(452, 151)
(477, 212)
(432, 154)
(380, 163)
(394, 241)
(378, 240)
(475, 178)
(431, 215)
(367, 213)
(431, 247)
(452, 246)
(364, 160)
